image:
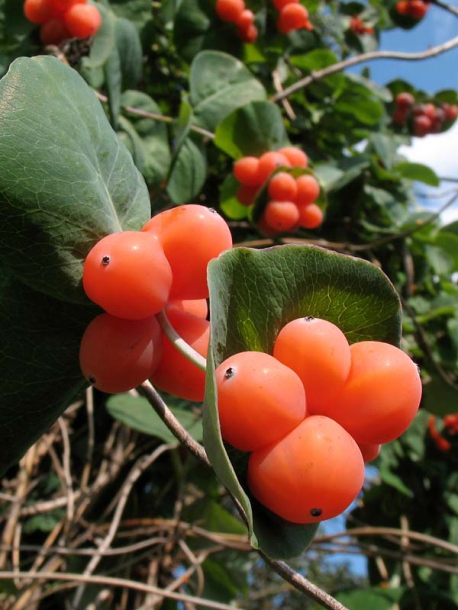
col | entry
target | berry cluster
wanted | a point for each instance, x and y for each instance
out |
(235, 11)
(62, 19)
(291, 16)
(291, 200)
(450, 428)
(358, 27)
(312, 413)
(416, 9)
(133, 276)
(424, 118)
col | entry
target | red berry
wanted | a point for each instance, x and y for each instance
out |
(246, 194)
(229, 10)
(404, 100)
(293, 17)
(282, 187)
(281, 216)
(117, 355)
(83, 20)
(260, 400)
(268, 162)
(191, 236)
(39, 11)
(295, 156)
(54, 32)
(128, 275)
(381, 394)
(308, 189)
(248, 34)
(310, 216)
(319, 353)
(313, 473)
(422, 126)
(246, 171)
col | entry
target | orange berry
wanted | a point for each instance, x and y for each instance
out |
(175, 373)
(308, 189)
(38, 11)
(313, 473)
(381, 395)
(310, 216)
(369, 452)
(245, 19)
(54, 32)
(282, 187)
(281, 216)
(83, 20)
(117, 355)
(318, 351)
(246, 194)
(229, 10)
(128, 275)
(248, 34)
(295, 156)
(191, 236)
(197, 307)
(260, 400)
(246, 171)
(292, 17)
(268, 162)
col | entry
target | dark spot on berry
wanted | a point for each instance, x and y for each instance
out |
(229, 373)
(105, 260)
(316, 512)
(92, 379)
(308, 318)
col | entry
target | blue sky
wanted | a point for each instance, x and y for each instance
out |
(439, 151)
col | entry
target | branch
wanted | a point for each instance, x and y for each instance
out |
(147, 390)
(299, 582)
(353, 61)
(158, 117)
(116, 582)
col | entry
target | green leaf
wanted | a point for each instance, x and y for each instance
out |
(197, 27)
(189, 170)
(39, 368)
(103, 42)
(229, 203)
(418, 172)
(136, 413)
(253, 294)
(130, 52)
(66, 179)
(219, 84)
(112, 71)
(252, 130)
(374, 598)
(152, 137)
(439, 397)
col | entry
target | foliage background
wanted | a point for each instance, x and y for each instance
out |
(106, 491)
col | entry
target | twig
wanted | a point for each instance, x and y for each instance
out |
(67, 475)
(115, 582)
(142, 464)
(371, 56)
(298, 581)
(158, 117)
(147, 390)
